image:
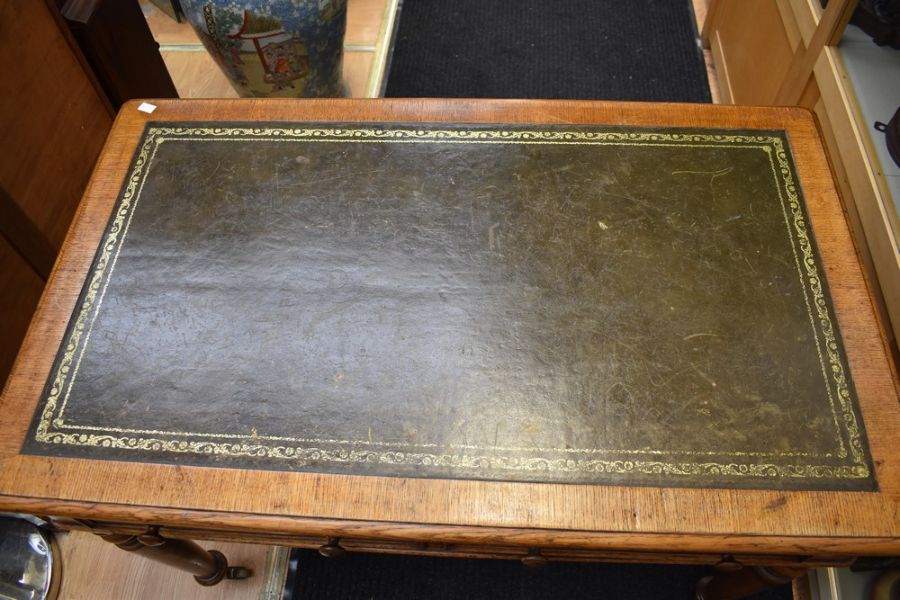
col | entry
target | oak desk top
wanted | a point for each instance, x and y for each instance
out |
(573, 324)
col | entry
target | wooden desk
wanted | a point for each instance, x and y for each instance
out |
(763, 495)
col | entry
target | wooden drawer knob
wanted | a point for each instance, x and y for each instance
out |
(728, 564)
(332, 549)
(533, 559)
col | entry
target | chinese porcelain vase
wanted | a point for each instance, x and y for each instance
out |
(278, 48)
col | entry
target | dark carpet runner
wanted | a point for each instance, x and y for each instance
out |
(388, 577)
(575, 49)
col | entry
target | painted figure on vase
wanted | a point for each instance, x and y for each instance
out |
(274, 47)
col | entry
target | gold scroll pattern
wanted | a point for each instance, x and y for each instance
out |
(52, 428)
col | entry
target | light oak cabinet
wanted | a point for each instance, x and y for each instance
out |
(770, 52)
(759, 55)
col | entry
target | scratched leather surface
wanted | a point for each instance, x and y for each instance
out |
(601, 313)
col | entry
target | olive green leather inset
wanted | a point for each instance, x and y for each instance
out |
(561, 304)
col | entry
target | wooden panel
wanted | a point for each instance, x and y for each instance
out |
(196, 74)
(383, 46)
(789, 20)
(450, 550)
(807, 14)
(28, 240)
(873, 227)
(835, 106)
(357, 68)
(869, 217)
(753, 49)
(810, 95)
(708, 21)
(626, 518)
(117, 42)
(828, 32)
(499, 549)
(842, 179)
(702, 9)
(721, 67)
(20, 290)
(284, 529)
(363, 22)
(53, 122)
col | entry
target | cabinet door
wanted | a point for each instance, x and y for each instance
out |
(53, 123)
(751, 49)
(20, 290)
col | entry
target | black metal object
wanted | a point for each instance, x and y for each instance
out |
(891, 131)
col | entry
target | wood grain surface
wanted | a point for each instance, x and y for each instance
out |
(97, 570)
(547, 515)
(738, 33)
(22, 288)
(54, 117)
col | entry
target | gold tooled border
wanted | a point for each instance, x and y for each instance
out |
(52, 429)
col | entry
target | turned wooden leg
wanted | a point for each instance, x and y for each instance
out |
(207, 567)
(745, 582)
